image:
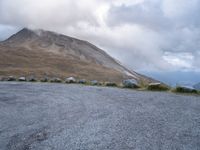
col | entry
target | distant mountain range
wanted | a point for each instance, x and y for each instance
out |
(197, 86)
(43, 53)
(173, 78)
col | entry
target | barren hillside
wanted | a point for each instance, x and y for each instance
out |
(44, 53)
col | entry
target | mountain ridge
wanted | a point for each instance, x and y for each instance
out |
(72, 51)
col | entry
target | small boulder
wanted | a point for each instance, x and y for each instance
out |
(82, 81)
(32, 79)
(45, 79)
(11, 78)
(95, 82)
(110, 84)
(130, 83)
(56, 80)
(186, 89)
(70, 80)
(22, 79)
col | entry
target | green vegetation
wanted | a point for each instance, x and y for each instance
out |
(112, 84)
(56, 80)
(179, 89)
(158, 87)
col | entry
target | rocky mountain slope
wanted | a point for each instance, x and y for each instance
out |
(44, 53)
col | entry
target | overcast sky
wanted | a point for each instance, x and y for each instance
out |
(146, 35)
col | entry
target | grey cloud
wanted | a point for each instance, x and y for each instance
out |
(177, 23)
(6, 31)
(148, 14)
(157, 14)
(140, 33)
(51, 14)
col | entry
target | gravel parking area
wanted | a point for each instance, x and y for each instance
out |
(49, 116)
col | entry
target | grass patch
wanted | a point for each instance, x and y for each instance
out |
(158, 87)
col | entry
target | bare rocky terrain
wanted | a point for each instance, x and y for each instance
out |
(48, 116)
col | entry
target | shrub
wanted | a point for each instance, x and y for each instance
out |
(82, 81)
(157, 87)
(110, 84)
(184, 89)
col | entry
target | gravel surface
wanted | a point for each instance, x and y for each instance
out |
(76, 117)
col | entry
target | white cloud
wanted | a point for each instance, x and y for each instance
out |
(179, 60)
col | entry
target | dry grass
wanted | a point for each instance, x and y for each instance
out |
(24, 62)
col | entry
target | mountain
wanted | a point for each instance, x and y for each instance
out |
(197, 86)
(44, 53)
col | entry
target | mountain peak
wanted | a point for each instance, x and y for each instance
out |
(21, 36)
(63, 55)
(28, 30)
(25, 29)
(27, 34)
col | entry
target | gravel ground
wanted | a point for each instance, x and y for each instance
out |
(73, 117)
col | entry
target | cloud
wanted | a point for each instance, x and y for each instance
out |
(142, 34)
(36, 13)
(6, 31)
(181, 59)
(147, 14)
